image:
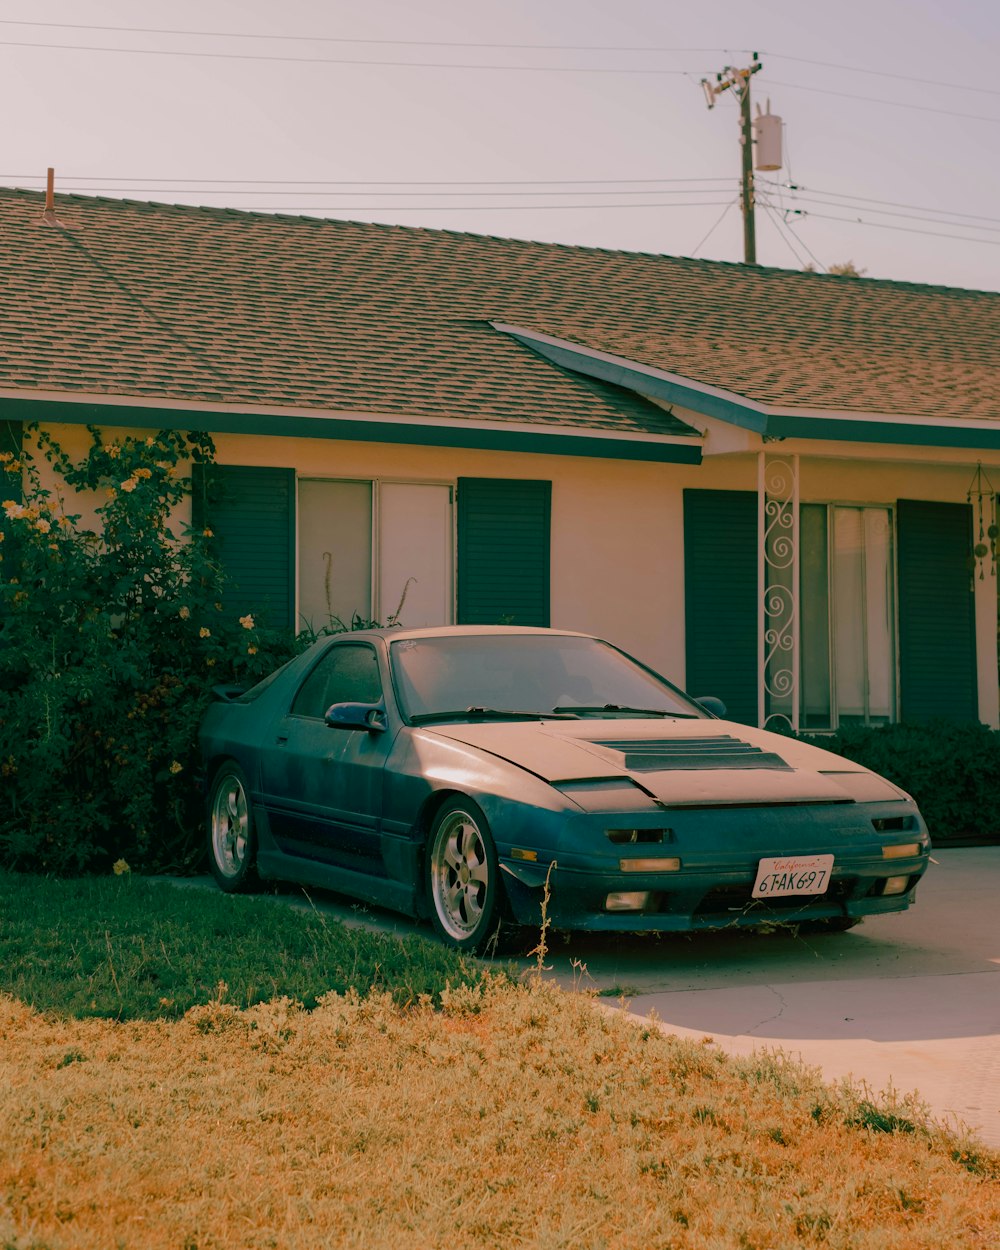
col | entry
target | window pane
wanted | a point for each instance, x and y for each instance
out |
(848, 612)
(815, 609)
(528, 673)
(335, 552)
(878, 615)
(348, 673)
(415, 561)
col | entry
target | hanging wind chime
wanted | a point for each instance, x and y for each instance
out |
(983, 499)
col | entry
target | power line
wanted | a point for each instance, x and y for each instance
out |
(881, 73)
(323, 60)
(862, 199)
(447, 208)
(782, 221)
(486, 45)
(887, 212)
(408, 43)
(778, 224)
(899, 104)
(884, 225)
(270, 191)
(368, 182)
(718, 223)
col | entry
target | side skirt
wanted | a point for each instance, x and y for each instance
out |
(274, 865)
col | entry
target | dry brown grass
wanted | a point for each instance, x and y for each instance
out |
(513, 1117)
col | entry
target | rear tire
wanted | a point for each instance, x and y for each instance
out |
(463, 876)
(232, 843)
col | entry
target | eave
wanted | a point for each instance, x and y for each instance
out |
(770, 421)
(289, 422)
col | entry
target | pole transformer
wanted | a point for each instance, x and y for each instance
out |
(738, 82)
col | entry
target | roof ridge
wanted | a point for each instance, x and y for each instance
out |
(689, 262)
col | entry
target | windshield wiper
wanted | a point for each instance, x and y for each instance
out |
(619, 708)
(492, 713)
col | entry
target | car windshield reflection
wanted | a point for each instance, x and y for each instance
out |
(548, 676)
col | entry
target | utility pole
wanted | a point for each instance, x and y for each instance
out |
(738, 82)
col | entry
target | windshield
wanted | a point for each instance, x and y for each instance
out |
(530, 674)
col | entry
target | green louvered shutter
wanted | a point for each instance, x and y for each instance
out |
(251, 512)
(11, 484)
(11, 436)
(503, 551)
(11, 441)
(720, 598)
(937, 630)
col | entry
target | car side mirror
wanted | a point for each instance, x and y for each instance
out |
(711, 704)
(368, 716)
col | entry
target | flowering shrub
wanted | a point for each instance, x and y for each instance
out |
(110, 641)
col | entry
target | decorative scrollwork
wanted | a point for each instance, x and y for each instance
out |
(779, 592)
(779, 477)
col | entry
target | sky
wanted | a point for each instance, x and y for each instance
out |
(572, 121)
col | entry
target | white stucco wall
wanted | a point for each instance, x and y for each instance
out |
(617, 526)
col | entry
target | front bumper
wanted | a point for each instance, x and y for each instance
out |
(719, 851)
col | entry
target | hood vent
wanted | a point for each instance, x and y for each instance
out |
(675, 753)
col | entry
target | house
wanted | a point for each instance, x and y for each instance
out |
(773, 486)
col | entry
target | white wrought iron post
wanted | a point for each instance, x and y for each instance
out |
(778, 588)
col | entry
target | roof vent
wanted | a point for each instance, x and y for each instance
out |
(49, 215)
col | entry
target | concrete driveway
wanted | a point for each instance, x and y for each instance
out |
(911, 1000)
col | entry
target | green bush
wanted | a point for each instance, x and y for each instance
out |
(110, 642)
(952, 770)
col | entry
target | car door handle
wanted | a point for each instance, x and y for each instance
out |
(281, 738)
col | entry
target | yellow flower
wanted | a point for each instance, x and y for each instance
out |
(247, 621)
(210, 663)
(111, 492)
(14, 466)
(251, 650)
(42, 526)
(207, 533)
(184, 613)
(129, 485)
(113, 450)
(6, 456)
(12, 509)
(218, 607)
(144, 473)
(120, 867)
(204, 632)
(176, 767)
(150, 441)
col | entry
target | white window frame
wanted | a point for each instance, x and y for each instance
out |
(376, 483)
(893, 577)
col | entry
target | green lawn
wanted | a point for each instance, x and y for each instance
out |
(262, 1077)
(129, 948)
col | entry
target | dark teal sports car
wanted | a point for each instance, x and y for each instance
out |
(451, 773)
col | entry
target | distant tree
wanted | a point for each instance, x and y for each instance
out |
(846, 269)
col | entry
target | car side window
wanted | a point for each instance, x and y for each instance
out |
(348, 673)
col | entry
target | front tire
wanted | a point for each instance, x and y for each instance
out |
(232, 844)
(463, 876)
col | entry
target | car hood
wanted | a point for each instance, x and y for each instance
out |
(680, 762)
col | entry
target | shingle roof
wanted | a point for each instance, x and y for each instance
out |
(210, 305)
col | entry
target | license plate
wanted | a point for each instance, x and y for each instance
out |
(793, 874)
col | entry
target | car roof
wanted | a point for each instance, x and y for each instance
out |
(396, 633)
